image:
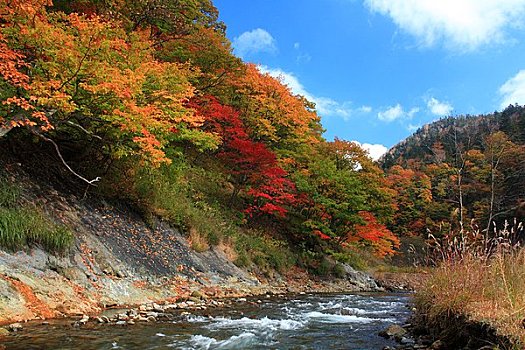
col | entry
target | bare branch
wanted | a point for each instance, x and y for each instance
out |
(83, 129)
(89, 182)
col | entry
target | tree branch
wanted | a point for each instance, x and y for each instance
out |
(89, 182)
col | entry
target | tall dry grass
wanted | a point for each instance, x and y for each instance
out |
(480, 276)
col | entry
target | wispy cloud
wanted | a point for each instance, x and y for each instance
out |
(513, 91)
(439, 108)
(462, 25)
(396, 113)
(255, 41)
(326, 106)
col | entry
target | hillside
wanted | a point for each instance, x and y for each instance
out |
(214, 164)
(468, 170)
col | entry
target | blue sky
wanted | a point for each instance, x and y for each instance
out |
(379, 69)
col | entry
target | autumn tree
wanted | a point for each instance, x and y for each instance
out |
(342, 183)
(413, 193)
(88, 74)
(273, 114)
(253, 168)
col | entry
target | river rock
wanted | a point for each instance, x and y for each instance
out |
(3, 332)
(84, 319)
(407, 341)
(121, 323)
(170, 307)
(360, 279)
(157, 307)
(393, 331)
(123, 317)
(15, 327)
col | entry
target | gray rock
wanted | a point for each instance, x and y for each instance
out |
(360, 279)
(407, 341)
(15, 327)
(393, 331)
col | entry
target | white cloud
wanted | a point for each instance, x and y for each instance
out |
(255, 41)
(396, 113)
(412, 112)
(365, 109)
(462, 25)
(326, 106)
(392, 113)
(374, 150)
(513, 91)
(439, 108)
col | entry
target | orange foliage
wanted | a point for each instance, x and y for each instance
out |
(91, 67)
(273, 112)
(375, 235)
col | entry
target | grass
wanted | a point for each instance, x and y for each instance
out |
(483, 286)
(22, 226)
(9, 194)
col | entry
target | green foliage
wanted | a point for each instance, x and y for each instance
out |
(265, 252)
(351, 257)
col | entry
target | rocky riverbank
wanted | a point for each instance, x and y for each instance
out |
(118, 260)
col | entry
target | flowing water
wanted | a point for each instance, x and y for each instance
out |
(350, 321)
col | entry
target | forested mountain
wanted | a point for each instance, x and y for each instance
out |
(455, 172)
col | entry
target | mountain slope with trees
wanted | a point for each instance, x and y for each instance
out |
(460, 172)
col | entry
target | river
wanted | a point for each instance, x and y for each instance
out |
(316, 321)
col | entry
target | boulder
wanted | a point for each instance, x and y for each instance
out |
(393, 331)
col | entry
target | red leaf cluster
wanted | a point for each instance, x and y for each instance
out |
(253, 166)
